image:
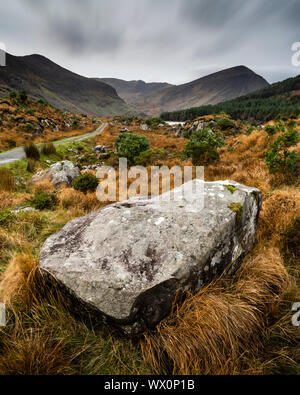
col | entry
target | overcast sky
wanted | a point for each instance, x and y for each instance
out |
(155, 40)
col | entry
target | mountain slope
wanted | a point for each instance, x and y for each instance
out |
(129, 90)
(281, 99)
(214, 88)
(41, 78)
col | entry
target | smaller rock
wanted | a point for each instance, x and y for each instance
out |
(100, 149)
(60, 173)
(124, 130)
(24, 210)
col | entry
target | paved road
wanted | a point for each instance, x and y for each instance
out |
(18, 153)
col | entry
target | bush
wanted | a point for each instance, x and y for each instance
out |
(131, 145)
(48, 149)
(202, 147)
(28, 126)
(32, 151)
(12, 94)
(149, 157)
(154, 122)
(225, 123)
(271, 130)
(11, 143)
(22, 95)
(86, 182)
(43, 200)
(7, 181)
(279, 159)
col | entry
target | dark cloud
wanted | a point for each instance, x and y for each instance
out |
(163, 40)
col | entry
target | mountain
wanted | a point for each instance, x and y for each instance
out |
(43, 79)
(212, 89)
(134, 92)
(281, 99)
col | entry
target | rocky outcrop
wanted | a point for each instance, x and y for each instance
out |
(100, 149)
(127, 261)
(61, 173)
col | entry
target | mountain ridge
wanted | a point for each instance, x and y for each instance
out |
(64, 89)
(211, 89)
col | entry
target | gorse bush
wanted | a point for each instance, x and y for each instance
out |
(280, 159)
(202, 147)
(271, 130)
(32, 151)
(22, 95)
(28, 127)
(85, 183)
(7, 181)
(12, 94)
(43, 200)
(225, 123)
(131, 145)
(150, 157)
(154, 122)
(48, 149)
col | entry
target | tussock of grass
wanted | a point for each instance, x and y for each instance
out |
(7, 181)
(213, 331)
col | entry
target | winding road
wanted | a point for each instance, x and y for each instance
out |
(18, 153)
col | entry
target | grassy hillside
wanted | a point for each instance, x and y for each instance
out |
(43, 79)
(236, 325)
(134, 92)
(212, 89)
(278, 100)
(23, 120)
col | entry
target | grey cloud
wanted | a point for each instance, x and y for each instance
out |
(164, 40)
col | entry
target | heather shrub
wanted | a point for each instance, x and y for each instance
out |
(32, 151)
(86, 182)
(131, 145)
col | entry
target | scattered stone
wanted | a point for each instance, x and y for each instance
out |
(126, 262)
(24, 210)
(60, 173)
(124, 130)
(100, 149)
(144, 127)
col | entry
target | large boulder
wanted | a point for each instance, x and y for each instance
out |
(60, 173)
(127, 261)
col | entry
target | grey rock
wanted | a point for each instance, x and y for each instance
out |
(144, 127)
(124, 130)
(60, 173)
(24, 210)
(100, 149)
(126, 262)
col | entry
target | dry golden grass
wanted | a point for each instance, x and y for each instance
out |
(216, 330)
(9, 200)
(33, 352)
(279, 209)
(18, 281)
(43, 186)
(71, 199)
(7, 181)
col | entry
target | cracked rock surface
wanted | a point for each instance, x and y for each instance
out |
(127, 261)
